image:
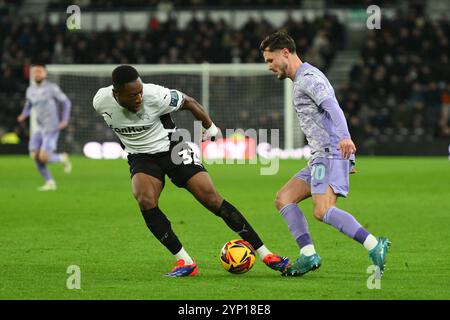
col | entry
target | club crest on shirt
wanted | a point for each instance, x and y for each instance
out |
(318, 89)
(143, 116)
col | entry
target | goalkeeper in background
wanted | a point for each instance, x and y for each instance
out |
(43, 97)
(140, 115)
(326, 177)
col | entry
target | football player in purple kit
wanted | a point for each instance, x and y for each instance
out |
(43, 96)
(326, 177)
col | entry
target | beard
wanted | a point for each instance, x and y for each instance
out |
(283, 74)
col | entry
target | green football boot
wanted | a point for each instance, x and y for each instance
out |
(378, 254)
(303, 265)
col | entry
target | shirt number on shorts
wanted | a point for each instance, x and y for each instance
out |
(189, 156)
(318, 172)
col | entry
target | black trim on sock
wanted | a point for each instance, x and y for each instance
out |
(161, 228)
(236, 221)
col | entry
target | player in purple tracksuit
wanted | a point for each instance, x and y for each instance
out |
(327, 174)
(43, 97)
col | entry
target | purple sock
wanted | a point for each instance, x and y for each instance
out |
(42, 168)
(297, 224)
(345, 223)
(54, 157)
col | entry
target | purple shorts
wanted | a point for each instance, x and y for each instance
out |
(322, 172)
(45, 141)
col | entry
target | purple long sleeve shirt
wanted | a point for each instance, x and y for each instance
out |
(321, 119)
(45, 99)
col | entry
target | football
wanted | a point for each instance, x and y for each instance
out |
(237, 256)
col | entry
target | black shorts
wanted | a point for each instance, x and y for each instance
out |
(180, 168)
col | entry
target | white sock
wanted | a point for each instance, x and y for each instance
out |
(308, 250)
(263, 251)
(370, 242)
(182, 254)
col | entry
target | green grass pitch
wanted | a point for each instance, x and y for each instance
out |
(92, 221)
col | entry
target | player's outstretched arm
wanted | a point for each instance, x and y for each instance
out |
(210, 130)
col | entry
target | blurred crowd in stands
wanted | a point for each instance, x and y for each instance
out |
(140, 4)
(195, 4)
(401, 80)
(9, 6)
(399, 84)
(23, 42)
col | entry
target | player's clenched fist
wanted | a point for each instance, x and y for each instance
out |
(212, 133)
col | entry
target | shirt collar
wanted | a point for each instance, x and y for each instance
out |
(300, 69)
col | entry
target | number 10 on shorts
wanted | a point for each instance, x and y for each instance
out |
(318, 172)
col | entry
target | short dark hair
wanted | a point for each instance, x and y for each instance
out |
(277, 41)
(38, 64)
(124, 74)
